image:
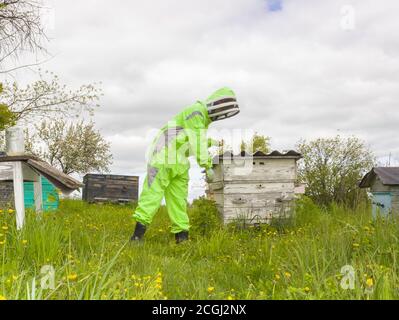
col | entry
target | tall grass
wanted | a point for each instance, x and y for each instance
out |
(87, 245)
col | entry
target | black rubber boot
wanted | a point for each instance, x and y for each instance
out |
(139, 232)
(181, 237)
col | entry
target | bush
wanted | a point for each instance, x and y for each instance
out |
(306, 211)
(204, 217)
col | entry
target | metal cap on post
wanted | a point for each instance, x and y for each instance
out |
(15, 141)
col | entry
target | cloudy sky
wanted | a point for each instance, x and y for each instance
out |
(300, 68)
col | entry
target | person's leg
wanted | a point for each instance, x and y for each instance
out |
(153, 192)
(176, 202)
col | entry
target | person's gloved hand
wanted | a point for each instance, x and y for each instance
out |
(210, 175)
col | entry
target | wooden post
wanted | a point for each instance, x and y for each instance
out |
(19, 194)
(38, 194)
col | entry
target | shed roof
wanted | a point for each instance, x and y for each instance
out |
(389, 176)
(260, 155)
(64, 182)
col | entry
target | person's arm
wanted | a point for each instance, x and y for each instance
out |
(196, 131)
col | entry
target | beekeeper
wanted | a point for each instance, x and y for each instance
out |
(168, 164)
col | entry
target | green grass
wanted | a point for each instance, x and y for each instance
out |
(302, 259)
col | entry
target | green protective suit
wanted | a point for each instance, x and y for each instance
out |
(168, 165)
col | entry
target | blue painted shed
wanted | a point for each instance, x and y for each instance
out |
(50, 195)
(384, 187)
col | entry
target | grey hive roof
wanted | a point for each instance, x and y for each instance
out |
(273, 155)
(388, 176)
(64, 182)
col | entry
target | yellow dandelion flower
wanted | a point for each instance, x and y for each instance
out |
(24, 242)
(277, 277)
(369, 282)
(211, 290)
(306, 289)
(287, 275)
(230, 298)
(158, 280)
(2, 297)
(72, 277)
(5, 228)
(11, 211)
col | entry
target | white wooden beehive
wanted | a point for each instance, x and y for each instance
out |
(255, 188)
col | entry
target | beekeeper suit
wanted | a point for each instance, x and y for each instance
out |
(168, 165)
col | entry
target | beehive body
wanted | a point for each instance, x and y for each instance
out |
(110, 188)
(50, 195)
(383, 183)
(255, 189)
(391, 192)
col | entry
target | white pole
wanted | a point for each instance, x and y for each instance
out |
(19, 194)
(38, 191)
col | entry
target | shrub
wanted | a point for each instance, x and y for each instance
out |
(204, 217)
(306, 211)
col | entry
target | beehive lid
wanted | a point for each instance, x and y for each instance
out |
(260, 155)
(62, 181)
(389, 176)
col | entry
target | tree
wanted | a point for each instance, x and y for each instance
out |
(73, 148)
(47, 97)
(21, 29)
(7, 118)
(223, 147)
(332, 169)
(257, 143)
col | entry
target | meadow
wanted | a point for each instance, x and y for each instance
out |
(87, 247)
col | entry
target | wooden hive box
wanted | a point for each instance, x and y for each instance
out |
(383, 184)
(255, 188)
(110, 188)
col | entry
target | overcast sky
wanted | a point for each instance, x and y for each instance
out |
(300, 68)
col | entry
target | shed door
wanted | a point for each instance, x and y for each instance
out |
(382, 204)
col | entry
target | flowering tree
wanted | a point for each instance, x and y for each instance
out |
(72, 147)
(47, 97)
(332, 169)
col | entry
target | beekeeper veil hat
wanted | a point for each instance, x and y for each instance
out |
(222, 105)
